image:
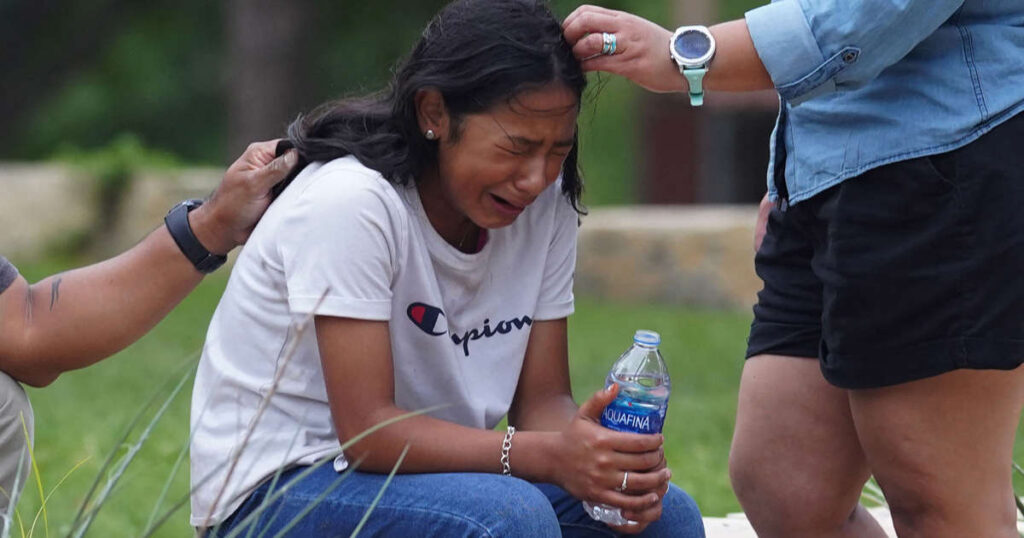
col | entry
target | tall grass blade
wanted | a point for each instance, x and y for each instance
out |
(276, 478)
(170, 478)
(1018, 499)
(873, 493)
(289, 352)
(39, 481)
(5, 518)
(385, 423)
(174, 509)
(133, 450)
(309, 508)
(305, 472)
(178, 504)
(86, 501)
(185, 498)
(21, 523)
(252, 517)
(31, 530)
(12, 497)
(273, 483)
(167, 483)
(366, 516)
(153, 523)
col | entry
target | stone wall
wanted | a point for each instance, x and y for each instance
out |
(151, 194)
(41, 205)
(694, 255)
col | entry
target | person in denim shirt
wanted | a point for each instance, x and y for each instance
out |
(892, 254)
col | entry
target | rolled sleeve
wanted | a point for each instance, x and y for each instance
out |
(814, 47)
(339, 248)
(788, 50)
(556, 299)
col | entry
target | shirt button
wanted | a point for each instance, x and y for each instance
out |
(850, 56)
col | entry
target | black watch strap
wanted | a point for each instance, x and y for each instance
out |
(177, 224)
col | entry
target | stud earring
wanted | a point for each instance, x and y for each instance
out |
(430, 134)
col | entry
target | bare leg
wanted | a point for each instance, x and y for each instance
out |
(941, 448)
(796, 465)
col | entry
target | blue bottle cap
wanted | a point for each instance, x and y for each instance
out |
(647, 338)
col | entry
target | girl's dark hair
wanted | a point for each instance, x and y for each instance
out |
(476, 53)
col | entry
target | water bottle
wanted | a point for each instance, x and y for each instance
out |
(640, 406)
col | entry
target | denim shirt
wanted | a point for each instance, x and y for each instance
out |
(865, 83)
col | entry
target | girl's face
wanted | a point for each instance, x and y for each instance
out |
(500, 161)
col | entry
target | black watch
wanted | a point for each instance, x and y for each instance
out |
(177, 224)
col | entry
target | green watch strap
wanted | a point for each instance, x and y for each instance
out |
(695, 78)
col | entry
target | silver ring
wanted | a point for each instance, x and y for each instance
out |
(609, 43)
(625, 477)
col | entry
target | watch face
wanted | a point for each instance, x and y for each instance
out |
(692, 44)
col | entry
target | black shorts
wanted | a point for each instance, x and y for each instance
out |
(907, 271)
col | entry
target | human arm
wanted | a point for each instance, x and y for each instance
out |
(74, 319)
(543, 398)
(643, 55)
(543, 402)
(761, 225)
(358, 372)
(803, 48)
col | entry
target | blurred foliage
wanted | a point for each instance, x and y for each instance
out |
(112, 168)
(734, 9)
(113, 164)
(86, 72)
(80, 74)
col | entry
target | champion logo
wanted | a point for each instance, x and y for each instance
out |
(427, 317)
(502, 327)
(431, 320)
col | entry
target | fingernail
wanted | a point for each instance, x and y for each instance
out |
(291, 157)
(668, 474)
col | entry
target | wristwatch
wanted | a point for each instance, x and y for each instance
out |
(177, 224)
(692, 48)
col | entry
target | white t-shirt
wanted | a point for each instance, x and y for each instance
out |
(342, 237)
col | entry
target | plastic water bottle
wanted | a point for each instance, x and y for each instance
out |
(640, 406)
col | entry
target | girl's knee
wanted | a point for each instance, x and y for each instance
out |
(512, 507)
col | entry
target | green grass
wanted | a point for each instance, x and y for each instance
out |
(81, 416)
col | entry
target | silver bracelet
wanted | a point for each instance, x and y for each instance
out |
(506, 445)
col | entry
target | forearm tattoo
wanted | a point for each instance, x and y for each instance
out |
(55, 291)
(28, 304)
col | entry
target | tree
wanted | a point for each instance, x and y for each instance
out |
(264, 56)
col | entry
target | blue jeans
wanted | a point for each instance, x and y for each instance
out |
(438, 504)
